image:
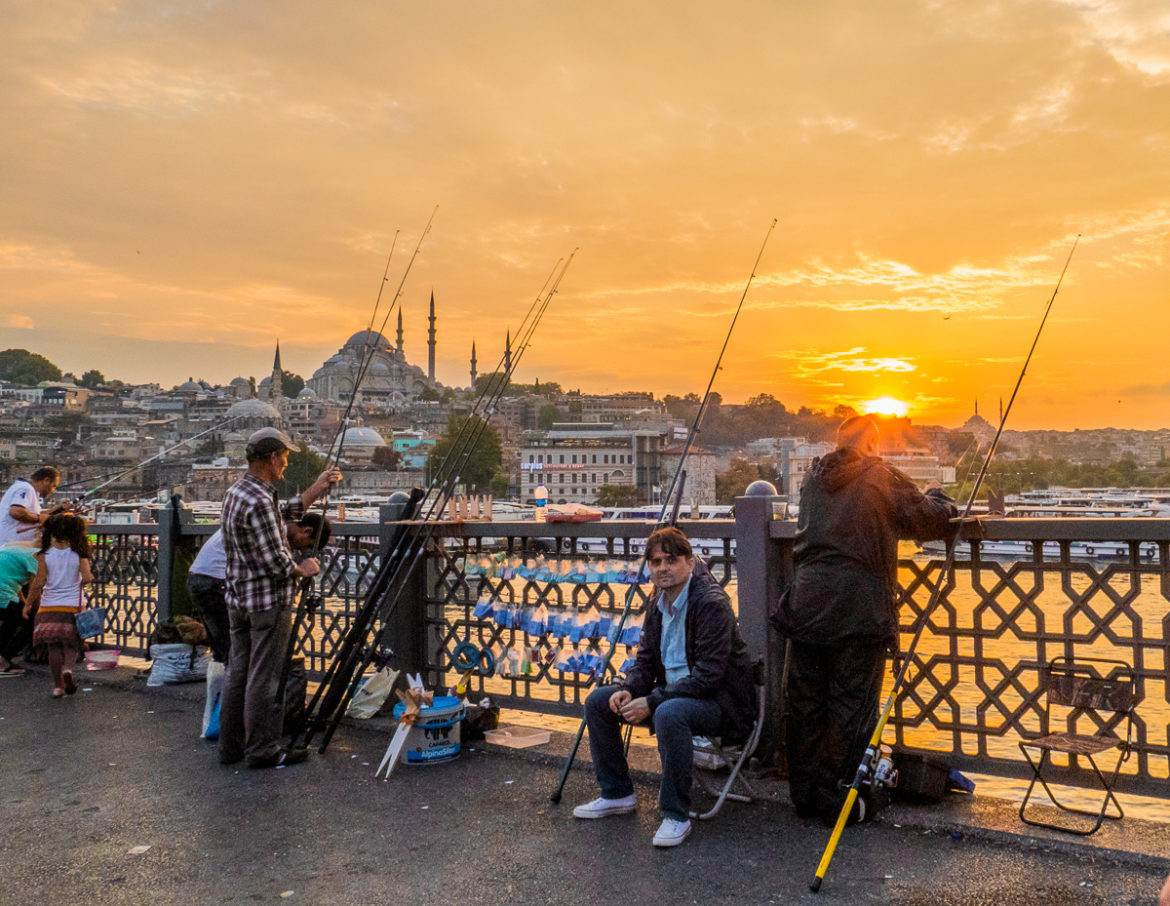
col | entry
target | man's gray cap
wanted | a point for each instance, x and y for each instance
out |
(271, 434)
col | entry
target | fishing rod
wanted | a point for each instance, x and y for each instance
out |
(341, 669)
(307, 601)
(676, 484)
(147, 461)
(945, 576)
(405, 555)
(346, 664)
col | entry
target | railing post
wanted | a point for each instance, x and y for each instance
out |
(758, 575)
(172, 574)
(406, 634)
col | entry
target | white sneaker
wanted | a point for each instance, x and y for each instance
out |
(672, 832)
(603, 808)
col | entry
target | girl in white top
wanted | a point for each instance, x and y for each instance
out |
(55, 595)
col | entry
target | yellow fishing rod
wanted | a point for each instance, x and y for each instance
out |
(865, 769)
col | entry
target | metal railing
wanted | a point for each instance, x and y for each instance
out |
(972, 693)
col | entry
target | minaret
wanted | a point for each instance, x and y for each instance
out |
(508, 353)
(473, 372)
(400, 353)
(431, 341)
(276, 384)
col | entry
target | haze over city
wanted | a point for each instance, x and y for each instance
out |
(184, 183)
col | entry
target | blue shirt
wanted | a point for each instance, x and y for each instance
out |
(674, 636)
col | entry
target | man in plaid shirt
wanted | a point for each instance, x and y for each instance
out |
(261, 574)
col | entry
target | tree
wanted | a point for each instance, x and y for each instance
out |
(616, 495)
(27, 369)
(92, 379)
(546, 415)
(387, 458)
(476, 466)
(429, 395)
(733, 482)
(291, 384)
(303, 468)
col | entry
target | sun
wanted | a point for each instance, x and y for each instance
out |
(885, 405)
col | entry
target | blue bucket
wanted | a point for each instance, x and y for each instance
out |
(435, 735)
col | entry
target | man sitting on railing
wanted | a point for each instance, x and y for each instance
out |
(691, 678)
(260, 579)
(841, 611)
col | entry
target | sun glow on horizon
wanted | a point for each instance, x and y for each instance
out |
(885, 405)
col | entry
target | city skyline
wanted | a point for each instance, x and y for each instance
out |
(190, 183)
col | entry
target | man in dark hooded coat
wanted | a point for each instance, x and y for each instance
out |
(841, 610)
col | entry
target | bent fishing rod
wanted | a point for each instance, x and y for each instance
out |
(354, 658)
(147, 461)
(945, 575)
(675, 487)
(399, 565)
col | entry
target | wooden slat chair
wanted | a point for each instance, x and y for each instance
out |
(735, 755)
(1075, 691)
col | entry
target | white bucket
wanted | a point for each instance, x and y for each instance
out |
(435, 735)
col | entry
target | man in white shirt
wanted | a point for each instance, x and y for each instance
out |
(20, 507)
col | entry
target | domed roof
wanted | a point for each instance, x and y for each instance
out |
(307, 393)
(379, 368)
(233, 437)
(240, 382)
(252, 409)
(367, 338)
(189, 387)
(363, 437)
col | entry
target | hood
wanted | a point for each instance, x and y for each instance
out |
(840, 468)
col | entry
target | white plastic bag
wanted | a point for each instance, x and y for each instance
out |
(175, 662)
(372, 694)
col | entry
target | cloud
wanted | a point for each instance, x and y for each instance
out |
(21, 322)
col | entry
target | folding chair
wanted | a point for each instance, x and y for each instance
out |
(735, 755)
(1075, 690)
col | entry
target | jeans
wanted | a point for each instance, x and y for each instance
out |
(208, 594)
(676, 721)
(252, 707)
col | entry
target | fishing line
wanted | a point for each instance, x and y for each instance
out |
(676, 483)
(945, 577)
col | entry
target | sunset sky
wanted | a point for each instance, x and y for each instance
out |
(182, 183)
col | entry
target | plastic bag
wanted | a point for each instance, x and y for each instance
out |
(372, 694)
(177, 663)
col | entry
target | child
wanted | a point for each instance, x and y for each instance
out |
(62, 568)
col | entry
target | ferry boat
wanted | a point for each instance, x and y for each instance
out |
(1069, 507)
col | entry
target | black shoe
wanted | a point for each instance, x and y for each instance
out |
(281, 759)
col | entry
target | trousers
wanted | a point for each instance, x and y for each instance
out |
(676, 721)
(832, 711)
(252, 708)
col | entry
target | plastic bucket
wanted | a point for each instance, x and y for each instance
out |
(435, 736)
(102, 659)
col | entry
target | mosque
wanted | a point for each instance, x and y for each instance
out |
(390, 382)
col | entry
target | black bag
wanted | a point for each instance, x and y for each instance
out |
(296, 688)
(478, 720)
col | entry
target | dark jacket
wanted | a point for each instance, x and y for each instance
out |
(853, 510)
(716, 655)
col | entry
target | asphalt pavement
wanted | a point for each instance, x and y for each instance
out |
(110, 796)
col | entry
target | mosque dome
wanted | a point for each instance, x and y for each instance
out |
(365, 339)
(307, 393)
(379, 368)
(240, 382)
(360, 438)
(189, 387)
(252, 409)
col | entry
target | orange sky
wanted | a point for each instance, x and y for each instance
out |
(184, 182)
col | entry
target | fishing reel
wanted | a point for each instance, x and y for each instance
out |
(314, 601)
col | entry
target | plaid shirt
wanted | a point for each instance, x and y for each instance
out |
(259, 560)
